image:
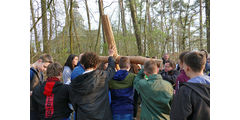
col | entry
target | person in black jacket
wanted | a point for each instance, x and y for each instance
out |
(169, 73)
(36, 79)
(192, 100)
(89, 91)
(52, 96)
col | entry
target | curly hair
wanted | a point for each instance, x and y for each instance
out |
(54, 69)
(90, 60)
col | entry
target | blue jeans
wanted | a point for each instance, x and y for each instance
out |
(122, 116)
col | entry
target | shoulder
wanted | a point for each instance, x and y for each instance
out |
(66, 69)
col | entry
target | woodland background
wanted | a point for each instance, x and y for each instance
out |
(140, 27)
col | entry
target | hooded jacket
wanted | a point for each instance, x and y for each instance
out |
(89, 94)
(52, 99)
(170, 76)
(121, 87)
(36, 79)
(192, 101)
(181, 78)
(156, 95)
(77, 71)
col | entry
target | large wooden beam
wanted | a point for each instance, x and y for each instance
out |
(133, 59)
(109, 35)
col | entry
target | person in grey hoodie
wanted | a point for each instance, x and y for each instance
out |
(192, 100)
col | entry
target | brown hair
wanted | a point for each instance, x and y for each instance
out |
(171, 63)
(195, 60)
(46, 58)
(89, 60)
(182, 55)
(123, 62)
(54, 69)
(150, 66)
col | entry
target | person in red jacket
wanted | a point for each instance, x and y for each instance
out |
(52, 97)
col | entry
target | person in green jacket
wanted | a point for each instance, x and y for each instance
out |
(155, 92)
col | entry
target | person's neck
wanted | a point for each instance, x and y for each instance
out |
(192, 75)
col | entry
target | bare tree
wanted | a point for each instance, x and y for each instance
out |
(70, 26)
(207, 4)
(136, 26)
(44, 27)
(37, 43)
(201, 44)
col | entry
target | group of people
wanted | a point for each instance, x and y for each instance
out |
(88, 89)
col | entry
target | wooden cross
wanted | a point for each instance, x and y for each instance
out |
(111, 44)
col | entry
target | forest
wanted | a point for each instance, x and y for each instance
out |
(140, 27)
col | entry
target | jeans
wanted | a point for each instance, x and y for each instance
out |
(122, 116)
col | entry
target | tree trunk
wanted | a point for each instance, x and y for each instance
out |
(89, 22)
(189, 36)
(171, 12)
(56, 25)
(37, 43)
(145, 35)
(44, 27)
(66, 27)
(76, 36)
(50, 25)
(124, 29)
(207, 3)
(70, 27)
(136, 26)
(98, 35)
(201, 44)
(101, 11)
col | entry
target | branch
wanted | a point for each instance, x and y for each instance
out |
(41, 16)
(108, 5)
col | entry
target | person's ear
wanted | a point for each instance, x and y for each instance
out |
(188, 68)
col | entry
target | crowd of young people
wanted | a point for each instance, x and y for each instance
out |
(87, 89)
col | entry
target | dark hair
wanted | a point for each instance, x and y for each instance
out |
(171, 63)
(46, 58)
(123, 62)
(182, 55)
(195, 60)
(89, 60)
(205, 53)
(69, 61)
(150, 66)
(54, 69)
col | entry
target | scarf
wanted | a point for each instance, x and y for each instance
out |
(49, 85)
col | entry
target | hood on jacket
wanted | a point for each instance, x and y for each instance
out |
(85, 83)
(120, 75)
(204, 79)
(203, 90)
